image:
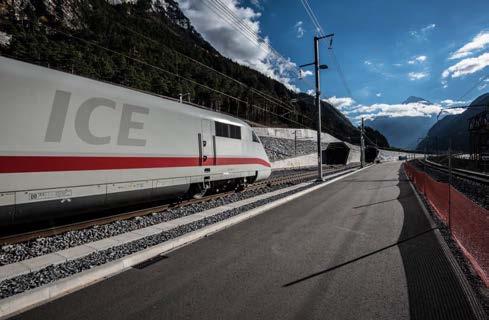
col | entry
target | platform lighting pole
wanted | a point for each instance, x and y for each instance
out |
(424, 169)
(317, 68)
(295, 142)
(362, 147)
(449, 184)
(318, 107)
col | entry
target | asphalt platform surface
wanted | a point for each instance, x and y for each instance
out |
(359, 248)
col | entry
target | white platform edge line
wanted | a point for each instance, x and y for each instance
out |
(118, 239)
(106, 243)
(29, 299)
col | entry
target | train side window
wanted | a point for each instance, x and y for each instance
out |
(235, 132)
(228, 130)
(254, 137)
(222, 129)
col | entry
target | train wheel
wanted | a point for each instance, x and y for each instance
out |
(200, 190)
(241, 185)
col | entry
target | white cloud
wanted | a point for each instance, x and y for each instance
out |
(398, 64)
(378, 67)
(256, 3)
(299, 28)
(399, 110)
(417, 75)
(422, 34)
(478, 43)
(428, 27)
(421, 58)
(356, 111)
(379, 94)
(451, 103)
(245, 47)
(304, 73)
(482, 86)
(365, 117)
(418, 59)
(467, 66)
(340, 102)
(310, 92)
(453, 111)
(415, 109)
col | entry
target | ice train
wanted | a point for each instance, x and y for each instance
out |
(69, 144)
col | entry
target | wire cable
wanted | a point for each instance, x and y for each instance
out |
(473, 87)
(312, 17)
(258, 92)
(223, 11)
(261, 93)
(167, 72)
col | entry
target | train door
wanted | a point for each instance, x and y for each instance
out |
(207, 144)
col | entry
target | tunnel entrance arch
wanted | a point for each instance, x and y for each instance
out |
(371, 154)
(336, 153)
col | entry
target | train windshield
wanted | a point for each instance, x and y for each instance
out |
(254, 137)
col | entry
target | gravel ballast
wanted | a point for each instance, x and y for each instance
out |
(50, 274)
(22, 251)
(41, 246)
(475, 191)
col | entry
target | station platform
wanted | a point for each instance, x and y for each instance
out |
(359, 248)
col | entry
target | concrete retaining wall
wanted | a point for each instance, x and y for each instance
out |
(311, 159)
(354, 155)
(303, 134)
(287, 133)
(307, 160)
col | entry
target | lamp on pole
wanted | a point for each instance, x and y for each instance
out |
(317, 68)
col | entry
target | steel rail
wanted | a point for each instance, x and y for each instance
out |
(467, 174)
(79, 225)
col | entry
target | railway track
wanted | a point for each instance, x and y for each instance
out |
(284, 178)
(467, 174)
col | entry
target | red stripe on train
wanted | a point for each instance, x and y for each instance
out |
(16, 164)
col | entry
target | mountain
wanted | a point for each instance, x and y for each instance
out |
(403, 132)
(375, 137)
(413, 99)
(150, 45)
(455, 127)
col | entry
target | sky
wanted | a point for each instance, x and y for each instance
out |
(386, 50)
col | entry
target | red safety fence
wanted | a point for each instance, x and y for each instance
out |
(437, 195)
(469, 223)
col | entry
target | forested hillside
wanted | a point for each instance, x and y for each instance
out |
(454, 128)
(150, 45)
(376, 138)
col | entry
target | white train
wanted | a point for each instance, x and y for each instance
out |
(70, 144)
